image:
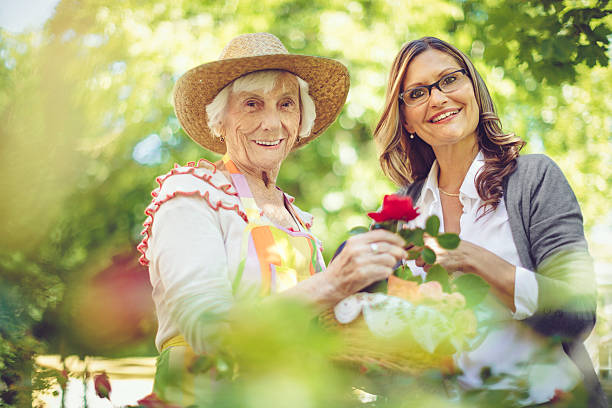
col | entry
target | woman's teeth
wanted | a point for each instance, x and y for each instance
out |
(444, 116)
(265, 143)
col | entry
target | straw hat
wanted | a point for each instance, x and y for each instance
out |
(328, 82)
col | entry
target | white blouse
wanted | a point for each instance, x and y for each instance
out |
(504, 343)
(192, 246)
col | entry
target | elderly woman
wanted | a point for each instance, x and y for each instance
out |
(521, 227)
(217, 232)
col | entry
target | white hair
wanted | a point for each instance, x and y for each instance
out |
(260, 81)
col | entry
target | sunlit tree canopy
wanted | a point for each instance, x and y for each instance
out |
(88, 123)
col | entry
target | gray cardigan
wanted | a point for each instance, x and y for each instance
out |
(546, 225)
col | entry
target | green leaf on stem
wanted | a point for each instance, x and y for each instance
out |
(472, 287)
(432, 225)
(428, 256)
(402, 272)
(415, 278)
(414, 254)
(438, 273)
(357, 230)
(448, 240)
(408, 235)
(418, 237)
(386, 225)
(377, 287)
(414, 237)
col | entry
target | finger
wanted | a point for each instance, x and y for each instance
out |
(376, 272)
(382, 235)
(383, 259)
(385, 248)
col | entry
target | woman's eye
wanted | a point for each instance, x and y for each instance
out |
(416, 93)
(288, 103)
(447, 80)
(251, 103)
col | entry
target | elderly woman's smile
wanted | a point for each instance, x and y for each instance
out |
(261, 125)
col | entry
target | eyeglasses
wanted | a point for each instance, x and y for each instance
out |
(448, 83)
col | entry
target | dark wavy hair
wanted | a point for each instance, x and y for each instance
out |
(406, 160)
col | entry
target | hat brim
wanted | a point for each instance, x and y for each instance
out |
(328, 82)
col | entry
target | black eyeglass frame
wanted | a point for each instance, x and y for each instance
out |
(429, 87)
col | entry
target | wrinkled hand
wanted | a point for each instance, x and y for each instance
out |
(365, 259)
(452, 260)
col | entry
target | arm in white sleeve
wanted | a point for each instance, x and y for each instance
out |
(188, 250)
(525, 293)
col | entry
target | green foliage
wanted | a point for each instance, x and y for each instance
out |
(440, 275)
(448, 240)
(549, 38)
(77, 97)
(472, 287)
(432, 225)
(428, 256)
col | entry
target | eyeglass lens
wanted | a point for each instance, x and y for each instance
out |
(447, 83)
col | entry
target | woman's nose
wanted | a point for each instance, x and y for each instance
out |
(437, 97)
(271, 120)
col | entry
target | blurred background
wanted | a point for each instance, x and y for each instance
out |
(87, 124)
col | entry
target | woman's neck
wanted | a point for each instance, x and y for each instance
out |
(454, 163)
(261, 182)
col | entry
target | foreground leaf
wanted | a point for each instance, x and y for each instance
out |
(428, 256)
(448, 240)
(472, 287)
(432, 225)
(438, 273)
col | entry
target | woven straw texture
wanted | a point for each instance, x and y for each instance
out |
(328, 82)
(403, 354)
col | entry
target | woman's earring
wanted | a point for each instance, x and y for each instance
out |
(411, 135)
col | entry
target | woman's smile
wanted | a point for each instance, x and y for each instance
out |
(445, 116)
(269, 144)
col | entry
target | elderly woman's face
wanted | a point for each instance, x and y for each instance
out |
(261, 128)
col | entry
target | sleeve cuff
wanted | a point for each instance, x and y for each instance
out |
(525, 293)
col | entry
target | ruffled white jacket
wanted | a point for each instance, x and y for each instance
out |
(192, 245)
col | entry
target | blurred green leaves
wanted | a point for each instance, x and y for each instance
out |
(77, 97)
(548, 39)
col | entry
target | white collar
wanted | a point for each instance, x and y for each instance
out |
(468, 187)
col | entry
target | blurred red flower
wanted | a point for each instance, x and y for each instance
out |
(153, 401)
(102, 385)
(395, 208)
(62, 379)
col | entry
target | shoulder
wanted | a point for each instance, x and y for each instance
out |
(531, 170)
(201, 176)
(535, 164)
(200, 180)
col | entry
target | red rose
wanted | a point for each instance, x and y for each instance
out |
(153, 401)
(102, 385)
(62, 379)
(395, 208)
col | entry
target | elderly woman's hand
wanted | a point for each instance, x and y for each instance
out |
(365, 259)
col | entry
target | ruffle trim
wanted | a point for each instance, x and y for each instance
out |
(157, 201)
